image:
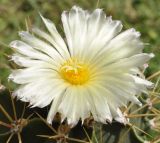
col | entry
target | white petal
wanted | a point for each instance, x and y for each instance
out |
(56, 42)
(143, 84)
(99, 104)
(123, 45)
(27, 62)
(31, 93)
(104, 30)
(55, 104)
(114, 84)
(52, 92)
(23, 76)
(81, 28)
(128, 63)
(67, 108)
(54, 107)
(28, 51)
(120, 117)
(75, 24)
(83, 105)
(143, 81)
(80, 109)
(40, 45)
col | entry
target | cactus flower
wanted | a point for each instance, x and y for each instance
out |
(93, 71)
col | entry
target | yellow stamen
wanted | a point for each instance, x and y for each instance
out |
(74, 72)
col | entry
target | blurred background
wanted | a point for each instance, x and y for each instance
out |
(143, 15)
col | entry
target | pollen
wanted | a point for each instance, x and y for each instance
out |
(74, 72)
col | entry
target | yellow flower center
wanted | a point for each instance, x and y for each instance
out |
(74, 72)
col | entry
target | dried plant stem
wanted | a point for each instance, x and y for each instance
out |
(154, 110)
(140, 115)
(97, 5)
(23, 111)
(62, 136)
(129, 107)
(10, 137)
(94, 136)
(157, 102)
(135, 127)
(30, 116)
(3, 44)
(76, 140)
(153, 75)
(19, 138)
(101, 135)
(135, 111)
(87, 135)
(14, 108)
(156, 140)
(152, 101)
(46, 136)
(154, 93)
(6, 114)
(5, 124)
(47, 123)
(124, 134)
